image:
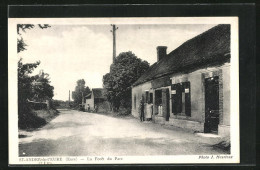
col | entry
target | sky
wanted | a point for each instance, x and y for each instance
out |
(72, 52)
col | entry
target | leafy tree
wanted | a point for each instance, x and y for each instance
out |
(80, 91)
(26, 119)
(23, 27)
(41, 87)
(26, 88)
(126, 69)
(25, 84)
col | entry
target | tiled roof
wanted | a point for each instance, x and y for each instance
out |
(99, 93)
(207, 49)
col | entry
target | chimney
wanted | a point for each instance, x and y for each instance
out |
(161, 52)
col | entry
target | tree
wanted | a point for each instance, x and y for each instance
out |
(25, 84)
(26, 119)
(26, 88)
(41, 88)
(126, 69)
(80, 91)
(23, 27)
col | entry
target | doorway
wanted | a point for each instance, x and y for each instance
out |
(165, 103)
(158, 102)
(211, 104)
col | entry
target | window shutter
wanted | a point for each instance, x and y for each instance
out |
(179, 97)
(187, 99)
(174, 98)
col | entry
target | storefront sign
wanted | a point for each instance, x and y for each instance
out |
(173, 91)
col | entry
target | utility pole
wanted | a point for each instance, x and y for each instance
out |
(82, 102)
(114, 28)
(69, 97)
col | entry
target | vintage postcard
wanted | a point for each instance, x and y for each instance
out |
(123, 90)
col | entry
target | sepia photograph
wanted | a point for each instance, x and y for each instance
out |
(123, 90)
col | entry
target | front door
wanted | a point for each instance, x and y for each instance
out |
(165, 103)
(211, 105)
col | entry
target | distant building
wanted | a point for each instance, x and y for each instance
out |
(97, 98)
(190, 86)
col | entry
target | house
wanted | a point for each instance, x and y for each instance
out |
(97, 98)
(190, 87)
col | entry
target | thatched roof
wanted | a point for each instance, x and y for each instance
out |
(210, 48)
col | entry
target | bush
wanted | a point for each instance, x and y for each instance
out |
(30, 116)
(30, 121)
(81, 109)
(124, 111)
(224, 145)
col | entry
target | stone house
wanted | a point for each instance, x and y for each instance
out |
(190, 87)
(97, 98)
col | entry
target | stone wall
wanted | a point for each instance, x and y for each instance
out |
(197, 94)
(137, 93)
(226, 96)
(197, 90)
(103, 106)
(224, 124)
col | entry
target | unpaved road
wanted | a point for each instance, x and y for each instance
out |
(75, 133)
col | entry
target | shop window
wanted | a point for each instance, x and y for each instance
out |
(180, 95)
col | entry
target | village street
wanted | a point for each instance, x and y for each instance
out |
(75, 133)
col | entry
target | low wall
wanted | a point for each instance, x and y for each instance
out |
(159, 120)
(137, 93)
(224, 130)
(186, 124)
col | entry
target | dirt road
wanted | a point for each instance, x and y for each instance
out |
(75, 133)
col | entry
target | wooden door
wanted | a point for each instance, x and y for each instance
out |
(165, 103)
(211, 105)
(176, 96)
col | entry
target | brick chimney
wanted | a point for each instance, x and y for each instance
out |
(161, 52)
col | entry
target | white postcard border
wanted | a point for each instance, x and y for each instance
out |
(14, 158)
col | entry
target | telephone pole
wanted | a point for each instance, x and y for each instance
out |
(114, 28)
(69, 97)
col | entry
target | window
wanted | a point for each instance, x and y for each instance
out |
(158, 101)
(158, 97)
(180, 95)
